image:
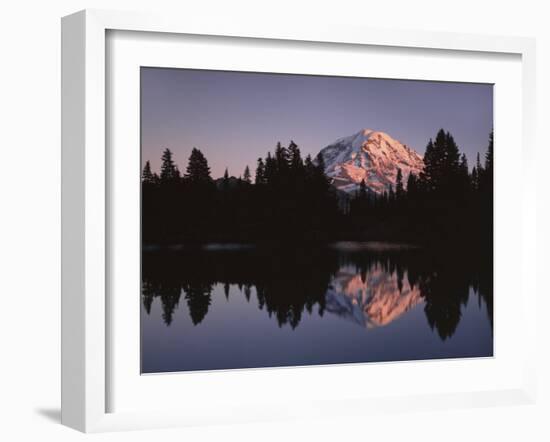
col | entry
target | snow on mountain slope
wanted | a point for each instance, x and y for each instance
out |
(372, 156)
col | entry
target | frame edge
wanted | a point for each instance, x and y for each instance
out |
(73, 81)
(83, 191)
(83, 185)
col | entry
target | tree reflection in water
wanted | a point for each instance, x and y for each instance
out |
(370, 286)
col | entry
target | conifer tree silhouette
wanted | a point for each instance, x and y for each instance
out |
(198, 170)
(147, 176)
(168, 170)
(260, 172)
(246, 175)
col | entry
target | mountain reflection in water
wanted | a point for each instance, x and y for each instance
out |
(371, 300)
(204, 296)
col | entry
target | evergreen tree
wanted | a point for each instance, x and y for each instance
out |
(168, 170)
(438, 172)
(474, 179)
(399, 189)
(225, 180)
(270, 169)
(412, 185)
(281, 157)
(452, 154)
(463, 167)
(320, 167)
(487, 196)
(260, 172)
(295, 157)
(310, 170)
(479, 167)
(489, 155)
(486, 181)
(147, 296)
(321, 181)
(359, 203)
(441, 164)
(464, 176)
(429, 172)
(147, 176)
(247, 178)
(479, 174)
(198, 170)
(199, 298)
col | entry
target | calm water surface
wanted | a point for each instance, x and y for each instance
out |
(222, 307)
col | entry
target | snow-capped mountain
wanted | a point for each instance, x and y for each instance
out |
(372, 156)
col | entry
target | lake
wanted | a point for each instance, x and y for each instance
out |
(225, 306)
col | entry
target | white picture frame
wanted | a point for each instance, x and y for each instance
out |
(86, 201)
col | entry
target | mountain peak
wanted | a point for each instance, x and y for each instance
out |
(371, 133)
(366, 132)
(370, 155)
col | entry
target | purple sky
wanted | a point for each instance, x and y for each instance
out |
(236, 117)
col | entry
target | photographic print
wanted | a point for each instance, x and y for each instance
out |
(294, 220)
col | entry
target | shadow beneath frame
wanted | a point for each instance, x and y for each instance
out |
(51, 414)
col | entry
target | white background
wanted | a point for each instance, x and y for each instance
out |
(30, 216)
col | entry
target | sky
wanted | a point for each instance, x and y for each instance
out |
(236, 117)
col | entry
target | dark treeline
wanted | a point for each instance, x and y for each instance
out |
(287, 285)
(445, 203)
(291, 198)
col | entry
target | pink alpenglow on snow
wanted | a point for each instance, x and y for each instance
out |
(373, 300)
(372, 156)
